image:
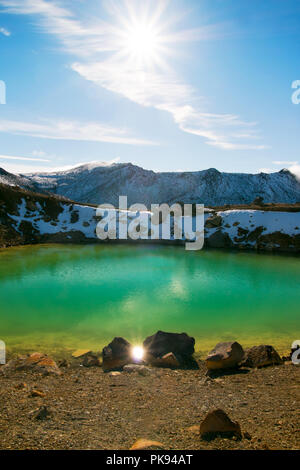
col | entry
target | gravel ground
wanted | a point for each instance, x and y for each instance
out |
(90, 409)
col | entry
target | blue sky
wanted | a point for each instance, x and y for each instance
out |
(178, 85)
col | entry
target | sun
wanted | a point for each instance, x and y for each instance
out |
(141, 35)
(142, 42)
(138, 353)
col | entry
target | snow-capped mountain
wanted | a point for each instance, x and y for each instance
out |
(17, 180)
(99, 183)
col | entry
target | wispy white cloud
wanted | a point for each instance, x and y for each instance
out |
(71, 130)
(39, 153)
(167, 93)
(4, 31)
(284, 162)
(97, 45)
(292, 166)
(30, 167)
(11, 157)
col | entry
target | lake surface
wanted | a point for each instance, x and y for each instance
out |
(56, 297)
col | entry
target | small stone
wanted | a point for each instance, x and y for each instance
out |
(114, 374)
(225, 355)
(218, 381)
(194, 429)
(48, 366)
(168, 360)
(37, 393)
(261, 356)
(207, 380)
(90, 360)
(145, 444)
(36, 362)
(64, 363)
(218, 422)
(140, 369)
(81, 352)
(20, 386)
(43, 413)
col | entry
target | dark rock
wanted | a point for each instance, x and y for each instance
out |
(162, 343)
(219, 239)
(116, 355)
(90, 360)
(168, 360)
(36, 362)
(74, 217)
(64, 363)
(217, 422)
(258, 201)
(21, 386)
(138, 368)
(43, 413)
(214, 221)
(260, 356)
(225, 355)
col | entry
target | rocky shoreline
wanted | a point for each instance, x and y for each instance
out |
(235, 399)
(28, 218)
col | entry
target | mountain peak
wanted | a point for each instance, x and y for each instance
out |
(104, 182)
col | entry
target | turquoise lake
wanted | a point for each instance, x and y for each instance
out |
(65, 297)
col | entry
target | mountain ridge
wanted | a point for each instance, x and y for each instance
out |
(99, 183)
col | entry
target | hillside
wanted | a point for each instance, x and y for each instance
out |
(17, 180)
(98, 183)
(30, 218)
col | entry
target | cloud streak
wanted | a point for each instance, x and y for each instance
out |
(97, 46)
(10, 157)
(4, 31)
(71, 130)
(284, 162)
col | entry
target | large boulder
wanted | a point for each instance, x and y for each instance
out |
(219, 239)
(225, 355)
(162, 343)
(116, 355)
(218, 422)
(260, 356)
(36, 362)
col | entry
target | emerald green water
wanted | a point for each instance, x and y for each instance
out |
(57, 296)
